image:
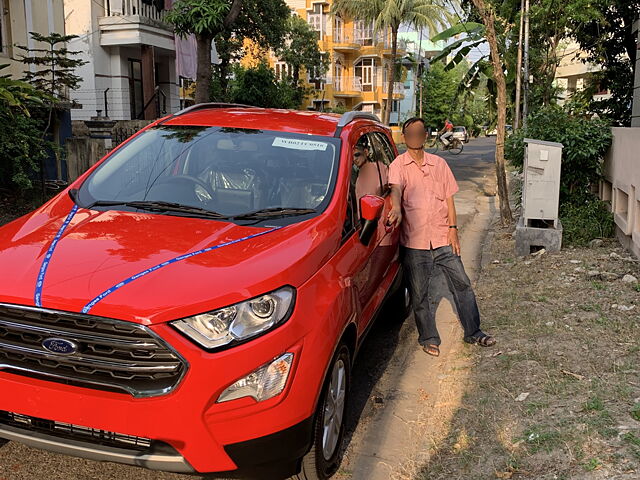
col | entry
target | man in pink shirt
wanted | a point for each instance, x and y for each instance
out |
(422, 189)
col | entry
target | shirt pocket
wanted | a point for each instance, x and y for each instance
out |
(437, 189)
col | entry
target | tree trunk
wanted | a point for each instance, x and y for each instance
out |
(488, 18)
(391, 76)
(203, 70)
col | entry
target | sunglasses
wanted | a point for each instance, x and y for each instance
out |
(358, 154)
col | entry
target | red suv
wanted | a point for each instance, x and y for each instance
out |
(194, 302)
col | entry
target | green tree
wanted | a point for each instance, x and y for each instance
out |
(264, 22)
(477, 34)
(440, 88)
(53, 75)
(388, 15)
(205, 19)
(607, 38)
(54, 65)
(258, 86)
(301, 50)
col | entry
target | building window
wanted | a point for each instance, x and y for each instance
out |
(316, 19)
(282, 70)
(316, 79)
(364, 32)
(365, 69)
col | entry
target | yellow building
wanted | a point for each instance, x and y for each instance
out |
(359, 59)
(17, 17)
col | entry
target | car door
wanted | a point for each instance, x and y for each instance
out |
(373, 279)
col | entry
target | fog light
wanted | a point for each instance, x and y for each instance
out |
(266, 382)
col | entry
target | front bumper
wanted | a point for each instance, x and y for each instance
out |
(200, 435)
(274, 456)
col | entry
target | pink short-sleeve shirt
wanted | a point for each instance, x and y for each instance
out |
(425, 189)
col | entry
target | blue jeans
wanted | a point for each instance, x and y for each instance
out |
(419, 265)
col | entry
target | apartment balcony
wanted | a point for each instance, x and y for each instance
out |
(344, 40)
(398, 89)
(348, 87)
(134, 23)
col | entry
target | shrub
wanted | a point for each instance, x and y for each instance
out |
(21, 144)
(586, 220)
(585, 143)
(259, 87)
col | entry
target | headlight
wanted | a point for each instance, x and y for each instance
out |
(238, 322)
(262, 384)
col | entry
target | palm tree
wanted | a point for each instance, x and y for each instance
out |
(389, 15)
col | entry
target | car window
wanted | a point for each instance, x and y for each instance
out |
(226, 170)
(370, 170)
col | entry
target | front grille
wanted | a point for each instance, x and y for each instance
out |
(111, 354)
(74, 432)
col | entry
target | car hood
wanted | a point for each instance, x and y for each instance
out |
(104, 251)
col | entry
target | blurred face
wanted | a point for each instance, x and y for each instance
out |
(359, 156)
(415, 135)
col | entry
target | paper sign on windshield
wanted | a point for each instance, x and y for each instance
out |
(298, 144)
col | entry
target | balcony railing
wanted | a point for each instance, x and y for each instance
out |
(364, 38)
(347, 84)
(398, 88)
(343, 35)
(119, 8)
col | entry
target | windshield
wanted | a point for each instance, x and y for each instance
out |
(229, 171)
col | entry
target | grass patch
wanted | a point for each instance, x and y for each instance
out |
(539, 439)
(592, 465)
(594, 404)
(580, 369)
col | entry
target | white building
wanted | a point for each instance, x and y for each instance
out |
(131, 58)
(572, 73)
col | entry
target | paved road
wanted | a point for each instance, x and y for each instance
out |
(387, 347)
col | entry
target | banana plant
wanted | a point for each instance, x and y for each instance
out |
(17, 94)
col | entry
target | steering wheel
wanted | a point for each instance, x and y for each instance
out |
(200, 189)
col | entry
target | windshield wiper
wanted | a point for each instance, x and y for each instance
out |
(274, 212)
(159, 206)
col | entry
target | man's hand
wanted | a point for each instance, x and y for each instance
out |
(395, 216)
(454, 241)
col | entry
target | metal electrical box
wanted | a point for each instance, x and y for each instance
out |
(541, 188)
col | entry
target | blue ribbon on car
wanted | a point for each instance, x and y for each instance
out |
(92, 303)
(37, 297)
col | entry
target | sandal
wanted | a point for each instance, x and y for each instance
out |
(433, 350)
(482, 339)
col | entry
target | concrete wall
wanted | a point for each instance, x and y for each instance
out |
(621, 186)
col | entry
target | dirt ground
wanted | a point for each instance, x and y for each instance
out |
(559, 398)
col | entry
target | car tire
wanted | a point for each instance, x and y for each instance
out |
(325, 455)
(399, 303)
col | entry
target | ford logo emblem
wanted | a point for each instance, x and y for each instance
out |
(60, 346)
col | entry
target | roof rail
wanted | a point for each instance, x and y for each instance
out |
(348, 117)
(202, 106)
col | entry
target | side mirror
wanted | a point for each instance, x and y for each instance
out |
(371, 207)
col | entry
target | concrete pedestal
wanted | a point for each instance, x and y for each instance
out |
(530, 239)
